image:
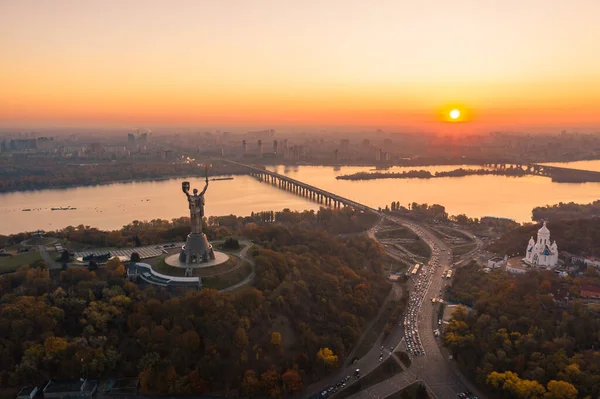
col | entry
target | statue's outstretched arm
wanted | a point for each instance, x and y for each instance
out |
(205, 187)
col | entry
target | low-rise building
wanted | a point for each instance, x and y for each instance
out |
(516, 269)
(590, 291)
(588, 261)
(143, 272)
(70, 389)
(497, 262)
(27, 393)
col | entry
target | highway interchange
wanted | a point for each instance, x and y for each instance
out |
(429, 365)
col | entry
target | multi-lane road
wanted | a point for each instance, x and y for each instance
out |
(431, 367)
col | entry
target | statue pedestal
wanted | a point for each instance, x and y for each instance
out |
(196, 250)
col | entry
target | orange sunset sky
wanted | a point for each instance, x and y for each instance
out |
(510, 64)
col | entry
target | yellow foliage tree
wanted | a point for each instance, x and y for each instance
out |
(53, 345)
(275, 338)
(572, 370)
(327, 357)
(561, 390)
(509, 381)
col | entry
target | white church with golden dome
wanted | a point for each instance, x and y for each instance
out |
(541, 253)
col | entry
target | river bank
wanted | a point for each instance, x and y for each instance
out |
(425, 174)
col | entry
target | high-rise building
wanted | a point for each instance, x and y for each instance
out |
(275, 146)
(260, 149)
(130, 141)
(244, 147)
(344, 145)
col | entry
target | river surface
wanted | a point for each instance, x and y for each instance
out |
(582, 165)
(115, 205)
(112, 206)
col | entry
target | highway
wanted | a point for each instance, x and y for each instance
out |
(431, 368)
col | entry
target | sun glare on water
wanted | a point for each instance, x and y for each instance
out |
(454, 114)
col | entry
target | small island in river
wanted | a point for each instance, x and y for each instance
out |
(424, 174)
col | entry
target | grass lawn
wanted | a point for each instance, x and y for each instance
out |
(400, 232)
(11, 263)
(76, 246)
(219, 282)
(418, 248)
(229, 251)
(161, 266)
(455, 233)
(594, 307)
(388, 368)
(227, 279)
(463, 249)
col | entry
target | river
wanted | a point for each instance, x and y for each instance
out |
(115, 205)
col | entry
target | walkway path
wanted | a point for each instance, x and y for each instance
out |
(50, 263)
(251, 276)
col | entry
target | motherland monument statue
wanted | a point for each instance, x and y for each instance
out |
(197, 249)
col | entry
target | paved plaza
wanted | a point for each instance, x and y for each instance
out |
(149, 251)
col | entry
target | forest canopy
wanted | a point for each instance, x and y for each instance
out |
(313, 295)
(578, 236)
(569, 210)
(525, 336)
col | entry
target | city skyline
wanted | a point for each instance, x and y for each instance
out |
(524, 66)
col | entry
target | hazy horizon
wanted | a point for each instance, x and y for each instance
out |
(507, 65)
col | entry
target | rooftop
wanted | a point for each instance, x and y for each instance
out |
(26, 391)
(64, 386)
(591, 288)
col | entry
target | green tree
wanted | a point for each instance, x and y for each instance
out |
(135, 257)
(65, 256)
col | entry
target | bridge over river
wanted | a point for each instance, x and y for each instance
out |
(557, 174)
(300, 188)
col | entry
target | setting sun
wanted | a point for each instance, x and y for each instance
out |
(454, 114)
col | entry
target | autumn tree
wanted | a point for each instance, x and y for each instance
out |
(510, 382)
(53, 345)
(292, 381)
(560, 390)
(275, 338)
(240, 339)
(269, 383)
(327, 357)
(250, 384)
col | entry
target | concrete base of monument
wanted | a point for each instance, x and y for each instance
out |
(174, 261)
